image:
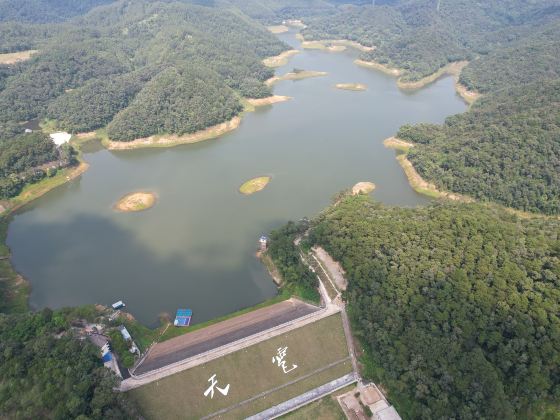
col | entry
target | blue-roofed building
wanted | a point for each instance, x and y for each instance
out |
(107, 357)
(183, 318)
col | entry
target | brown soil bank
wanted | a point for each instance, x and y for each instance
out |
(138, 201)
(358, 87)
(280, 59)
(300, 75)
(453, 69)
(363, 188)
(175, 140)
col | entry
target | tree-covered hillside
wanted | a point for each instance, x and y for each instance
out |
(117, 49)
(457, 305)
(138, 68)
(47, 373)
(507, 147)
(43, 11)
(416, 36)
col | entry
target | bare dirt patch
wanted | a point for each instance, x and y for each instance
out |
(378, 66)
(363, 188)
(358, 87)
(333, 267)
(137, 201)
(299, 75)
(280, 59)
(268, 101)
(278, 29)
(12, 58)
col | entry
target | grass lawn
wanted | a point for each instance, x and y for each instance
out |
(251, 372)
(327, 408)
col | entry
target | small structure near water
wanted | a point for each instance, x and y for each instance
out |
(263, 242)
(118, 305)
(183, 318)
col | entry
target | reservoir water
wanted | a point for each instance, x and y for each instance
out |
(196, 247)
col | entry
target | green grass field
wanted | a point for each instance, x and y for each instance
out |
(318, 349)
(327, 408)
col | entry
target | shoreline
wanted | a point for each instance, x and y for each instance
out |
(305, 74)
(332, 44)
(280, 59)
(419, 184)
(452, 69)
(172, 140)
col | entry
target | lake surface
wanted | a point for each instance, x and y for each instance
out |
(196, 247)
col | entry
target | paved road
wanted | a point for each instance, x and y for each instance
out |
(304, 399)
(222, 333)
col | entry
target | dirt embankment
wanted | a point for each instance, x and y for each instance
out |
(175, 140)
(452, 69)
(280, 59)
(334, 45)
(300, 75)
(268, 101)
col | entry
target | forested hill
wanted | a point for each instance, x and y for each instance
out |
(416, 36)
(44, 11)
(507, 147)
(458, 305)
(116, 57)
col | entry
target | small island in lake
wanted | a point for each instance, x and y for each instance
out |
(254, 185)
(358, 87)
(137, 201)
(363, 188)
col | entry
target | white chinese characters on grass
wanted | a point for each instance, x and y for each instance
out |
(213, 383)
(279, 359)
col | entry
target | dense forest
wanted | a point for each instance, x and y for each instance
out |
(47, 373)
(117, 50)
(136, 68)
(507, 147)
(457, 305)
(296, 277)
(421, 36)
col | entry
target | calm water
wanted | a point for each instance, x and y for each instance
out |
(196, 247)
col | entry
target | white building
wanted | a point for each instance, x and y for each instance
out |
(60, 138)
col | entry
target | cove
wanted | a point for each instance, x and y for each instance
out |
(195, 248)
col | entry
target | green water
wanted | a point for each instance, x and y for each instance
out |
(196, 247)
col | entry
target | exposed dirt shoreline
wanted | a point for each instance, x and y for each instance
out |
(357, 87)
(332, 44)
(418, 183)
(452, 69)
(300, 75)
(280, 59)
